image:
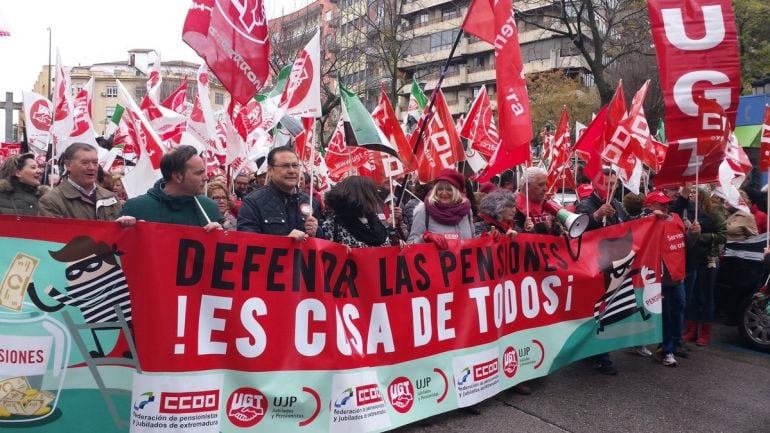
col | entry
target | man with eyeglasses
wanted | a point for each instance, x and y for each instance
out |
(78, 195)
(279, 208)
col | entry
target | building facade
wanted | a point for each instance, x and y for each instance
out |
(133, 74)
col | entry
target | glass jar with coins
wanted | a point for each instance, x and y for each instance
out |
(34, 352)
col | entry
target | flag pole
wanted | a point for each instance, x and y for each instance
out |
(767, 241)
(433, 96)
(312, 166)
(697, 172)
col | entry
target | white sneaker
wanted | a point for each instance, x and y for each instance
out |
(643, 351)
(669, 360)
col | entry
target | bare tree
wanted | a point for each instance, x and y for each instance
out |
(374, 42)
(603, 31)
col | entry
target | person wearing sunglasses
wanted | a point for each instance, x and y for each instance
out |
(20, 185)
(279, 208)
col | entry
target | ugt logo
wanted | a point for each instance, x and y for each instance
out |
(245, 16)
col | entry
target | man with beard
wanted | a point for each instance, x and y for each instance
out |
(178, 197)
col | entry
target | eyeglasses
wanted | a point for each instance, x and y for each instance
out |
(287, 166)
(219, 197)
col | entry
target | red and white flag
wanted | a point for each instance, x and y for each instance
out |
(201, 130)
(439, 147)
(62, 108)
(154, 81)
(764, 146)
(479, 127)
(715, 128)
(494, 22)
(147, 170)
(38, 115)
(559, 172)
(340, 158)
(385, 118)
(177, 100)
(697, 51)
(232, 37)
(169, 124)
(302, 95)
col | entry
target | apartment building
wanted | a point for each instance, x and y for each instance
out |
(430, 28)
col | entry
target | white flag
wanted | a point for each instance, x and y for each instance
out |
(302, 95)
(38, 112)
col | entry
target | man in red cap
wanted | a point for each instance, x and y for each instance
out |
(675, 240)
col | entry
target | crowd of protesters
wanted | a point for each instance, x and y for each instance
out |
(359, 213)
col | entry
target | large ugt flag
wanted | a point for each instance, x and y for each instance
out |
(493, 21)
(232, 37)
(697, 49)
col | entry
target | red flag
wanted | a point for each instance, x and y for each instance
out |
(176, 100)
(589, 148)
(764, 146)
(618, 149)
(440, 146)
(385, 118)
(233, 39)
(304, 142)
(493, 21)
(714, 132)
(558, 166)
(342, 159)
(479, 128)
(697, 51)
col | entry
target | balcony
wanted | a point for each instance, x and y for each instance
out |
(419, 5)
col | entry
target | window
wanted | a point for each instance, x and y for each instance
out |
(111, 91)
(140, 91)
(449, 13)
(219, 98)
(422, 18)
(442, 40)
(110, 112)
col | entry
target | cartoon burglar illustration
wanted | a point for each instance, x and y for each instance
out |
(619, 301)
(95, 284)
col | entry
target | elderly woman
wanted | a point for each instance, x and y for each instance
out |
(496, 212)
(353, 205)
(218, 192)
(445, 214)
(19, 185)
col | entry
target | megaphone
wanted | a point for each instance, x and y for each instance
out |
(575, 223)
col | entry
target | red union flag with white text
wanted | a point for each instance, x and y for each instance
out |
(697, 49)
(493, 21)
(232, 36)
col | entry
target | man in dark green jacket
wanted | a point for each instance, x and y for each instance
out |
(178, 197)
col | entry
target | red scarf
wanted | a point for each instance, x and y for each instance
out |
(503, 226)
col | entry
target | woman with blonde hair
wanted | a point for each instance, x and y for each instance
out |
(699, 285)
(218, 192)
(445, 214)
(20, 185)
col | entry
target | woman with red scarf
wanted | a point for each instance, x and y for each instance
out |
(445, 214)
(496, 212)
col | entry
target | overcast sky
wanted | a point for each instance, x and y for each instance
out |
(87, 32)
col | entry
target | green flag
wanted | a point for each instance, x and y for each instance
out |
(417, 103)
(112, 126)
(360, 129)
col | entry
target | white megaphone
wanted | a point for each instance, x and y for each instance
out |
(575, 223)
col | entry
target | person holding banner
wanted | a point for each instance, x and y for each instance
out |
(354, 204)
(699, 285)
(445, 214)
(178, 197)
(602, 212)
(496, 212)
(279, 208)
(20, 185)
(77, 195)
(531, 216)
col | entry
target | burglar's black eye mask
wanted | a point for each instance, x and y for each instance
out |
(93, 264)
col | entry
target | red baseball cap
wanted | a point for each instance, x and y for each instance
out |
(657, 197)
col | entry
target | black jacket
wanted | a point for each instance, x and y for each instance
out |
(271, 211)
(592, 203)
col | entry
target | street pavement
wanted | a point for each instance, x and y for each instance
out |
(724, 387)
